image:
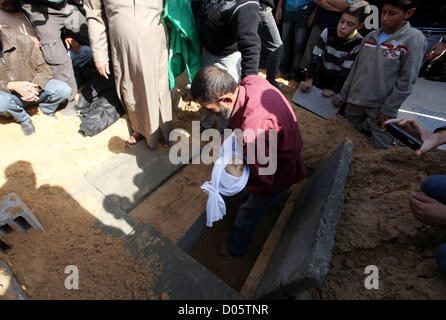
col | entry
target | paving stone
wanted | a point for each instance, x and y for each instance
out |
(302, 258)
(131, 176)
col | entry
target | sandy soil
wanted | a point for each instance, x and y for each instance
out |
(375, 227)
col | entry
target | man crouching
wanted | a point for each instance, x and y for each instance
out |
(254, 106)
(26, 80)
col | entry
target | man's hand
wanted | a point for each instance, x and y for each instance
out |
(28, 91)
(437, 51)
(414, 128)
(328, 93)
(312, 16)
(103, 68)
(336, 102)
(73, 44)
(382, 118)
(306, 85)
(427, 210)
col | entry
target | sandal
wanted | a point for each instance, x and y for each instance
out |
(133, 139)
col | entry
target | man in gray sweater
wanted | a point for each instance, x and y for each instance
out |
(384, 73)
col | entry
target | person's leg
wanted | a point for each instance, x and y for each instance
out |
(357, 116)
(232, 65)
(300, 38)
(55, 93)
(270, 36)
(380, 139)
(435, 187)
(248, 218)
(440, 258)
(288, 22)
(314, 35)
(82, 58)
(432, 39)
(12, 106)
(207, 118)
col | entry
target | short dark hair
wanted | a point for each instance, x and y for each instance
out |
(358, 9)
(210, 83)
(405, 5)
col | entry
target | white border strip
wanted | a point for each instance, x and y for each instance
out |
(423, 115)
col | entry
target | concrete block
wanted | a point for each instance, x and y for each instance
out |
(15, 215)
(302, 257)
(177, 274)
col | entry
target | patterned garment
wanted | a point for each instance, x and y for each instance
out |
(334, 57)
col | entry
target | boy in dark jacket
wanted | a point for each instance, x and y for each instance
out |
(384, 73)
(335, 52)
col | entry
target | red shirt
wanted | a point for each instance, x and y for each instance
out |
(260, 105)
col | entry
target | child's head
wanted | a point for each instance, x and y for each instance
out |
(352, 19)
(395, 13)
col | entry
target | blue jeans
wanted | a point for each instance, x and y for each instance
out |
(435, 188)
(272, 43)
(55, 93)
(294, 34)
(248, 218)
(82, 58)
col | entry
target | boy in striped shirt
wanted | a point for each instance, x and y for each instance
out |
(335, 52)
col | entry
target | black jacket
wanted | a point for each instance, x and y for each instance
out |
(227, 26)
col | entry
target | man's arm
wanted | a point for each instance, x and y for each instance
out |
(97, 32)
(347, 66)
(42, 71)
(333, 5)
(279, 10)
(316, 59)
(245, 24)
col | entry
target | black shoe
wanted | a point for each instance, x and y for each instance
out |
(27, 127)
(301, 75)
(69, 110)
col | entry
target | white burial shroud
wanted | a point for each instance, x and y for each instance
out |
(222, 182)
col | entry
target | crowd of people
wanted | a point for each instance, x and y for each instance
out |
(49, 48)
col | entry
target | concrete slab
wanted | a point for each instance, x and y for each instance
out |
(15, 215)
(179, 275)
(315, 102)
(131, 176)
(302, 257)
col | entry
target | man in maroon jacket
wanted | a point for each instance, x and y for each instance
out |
(254, 106)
